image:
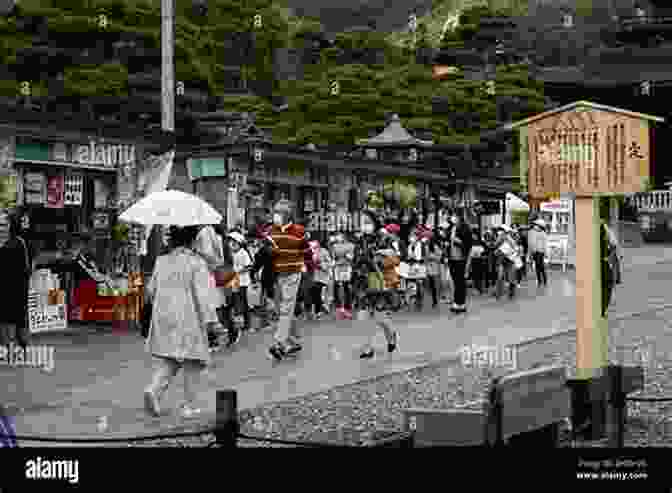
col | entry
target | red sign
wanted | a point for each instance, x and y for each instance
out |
(55, 191)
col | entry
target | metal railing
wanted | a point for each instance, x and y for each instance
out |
(653, 201)
(645, 20)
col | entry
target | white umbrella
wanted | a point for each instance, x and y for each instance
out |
(171, 207)
(514, 203)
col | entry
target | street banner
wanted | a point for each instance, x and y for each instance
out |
(154, 178)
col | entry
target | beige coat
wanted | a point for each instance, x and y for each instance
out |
(537, 240)
(182, 307)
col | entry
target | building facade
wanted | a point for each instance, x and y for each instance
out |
(392, 172)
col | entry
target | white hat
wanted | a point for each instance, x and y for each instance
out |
(539, 222)
(237, 237)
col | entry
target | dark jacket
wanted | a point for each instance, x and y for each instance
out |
(264, 260)
(16, 262)
(464, 234)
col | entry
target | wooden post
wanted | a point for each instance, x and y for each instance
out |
(591, 327)
(226, 420)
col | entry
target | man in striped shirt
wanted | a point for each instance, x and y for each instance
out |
(289, 247)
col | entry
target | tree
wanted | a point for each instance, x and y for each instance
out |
(366, 90)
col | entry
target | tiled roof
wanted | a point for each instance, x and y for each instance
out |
(393, 135)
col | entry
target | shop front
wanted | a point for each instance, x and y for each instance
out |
(325, 199)
(68, 194)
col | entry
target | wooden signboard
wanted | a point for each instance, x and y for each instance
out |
(584, 150)
(532, 399)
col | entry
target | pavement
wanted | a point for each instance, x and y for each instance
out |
(102, 373)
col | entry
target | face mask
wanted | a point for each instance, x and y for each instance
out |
(277, 219)
(367, 228)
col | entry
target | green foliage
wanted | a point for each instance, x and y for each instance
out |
(91, 80)
(367, 92)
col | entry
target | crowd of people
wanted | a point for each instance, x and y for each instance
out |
(282, 273)
(208, 281)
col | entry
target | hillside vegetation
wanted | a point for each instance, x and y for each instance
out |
(316, 112)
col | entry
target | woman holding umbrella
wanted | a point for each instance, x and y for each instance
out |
(183, 306)
(182, 317)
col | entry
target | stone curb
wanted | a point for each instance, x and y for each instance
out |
(455, 357)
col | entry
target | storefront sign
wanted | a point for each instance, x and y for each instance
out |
(60, 152)
(46, 318)
(34, 188)
(74, 189)
(55, 191)
(106, 155)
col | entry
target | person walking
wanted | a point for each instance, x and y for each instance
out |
(489, 241)
(209, 245)
(610, 264)
(477, 262)
(615, 253)
(383, 281)
(537, 241)
(434, 255)
(343, 254)
(320, 268)
(242, 264)
(416, 260)
(263, 261)
(523, 245)
(459, 248)
(447, 286)
(289, 246)
(17, 269)
(183, 314)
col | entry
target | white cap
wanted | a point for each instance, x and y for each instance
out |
(237, 237)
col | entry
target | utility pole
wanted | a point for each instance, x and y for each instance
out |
(154, 240)
(167, 65)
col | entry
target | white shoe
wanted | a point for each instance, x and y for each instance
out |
(188, 412)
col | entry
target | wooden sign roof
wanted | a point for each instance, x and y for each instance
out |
(581, 105)
(584, 149)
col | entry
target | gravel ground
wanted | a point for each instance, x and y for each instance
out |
(353, 414)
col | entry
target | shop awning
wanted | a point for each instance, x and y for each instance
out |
(65, 165)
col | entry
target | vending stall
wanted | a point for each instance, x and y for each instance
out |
(559, 217)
